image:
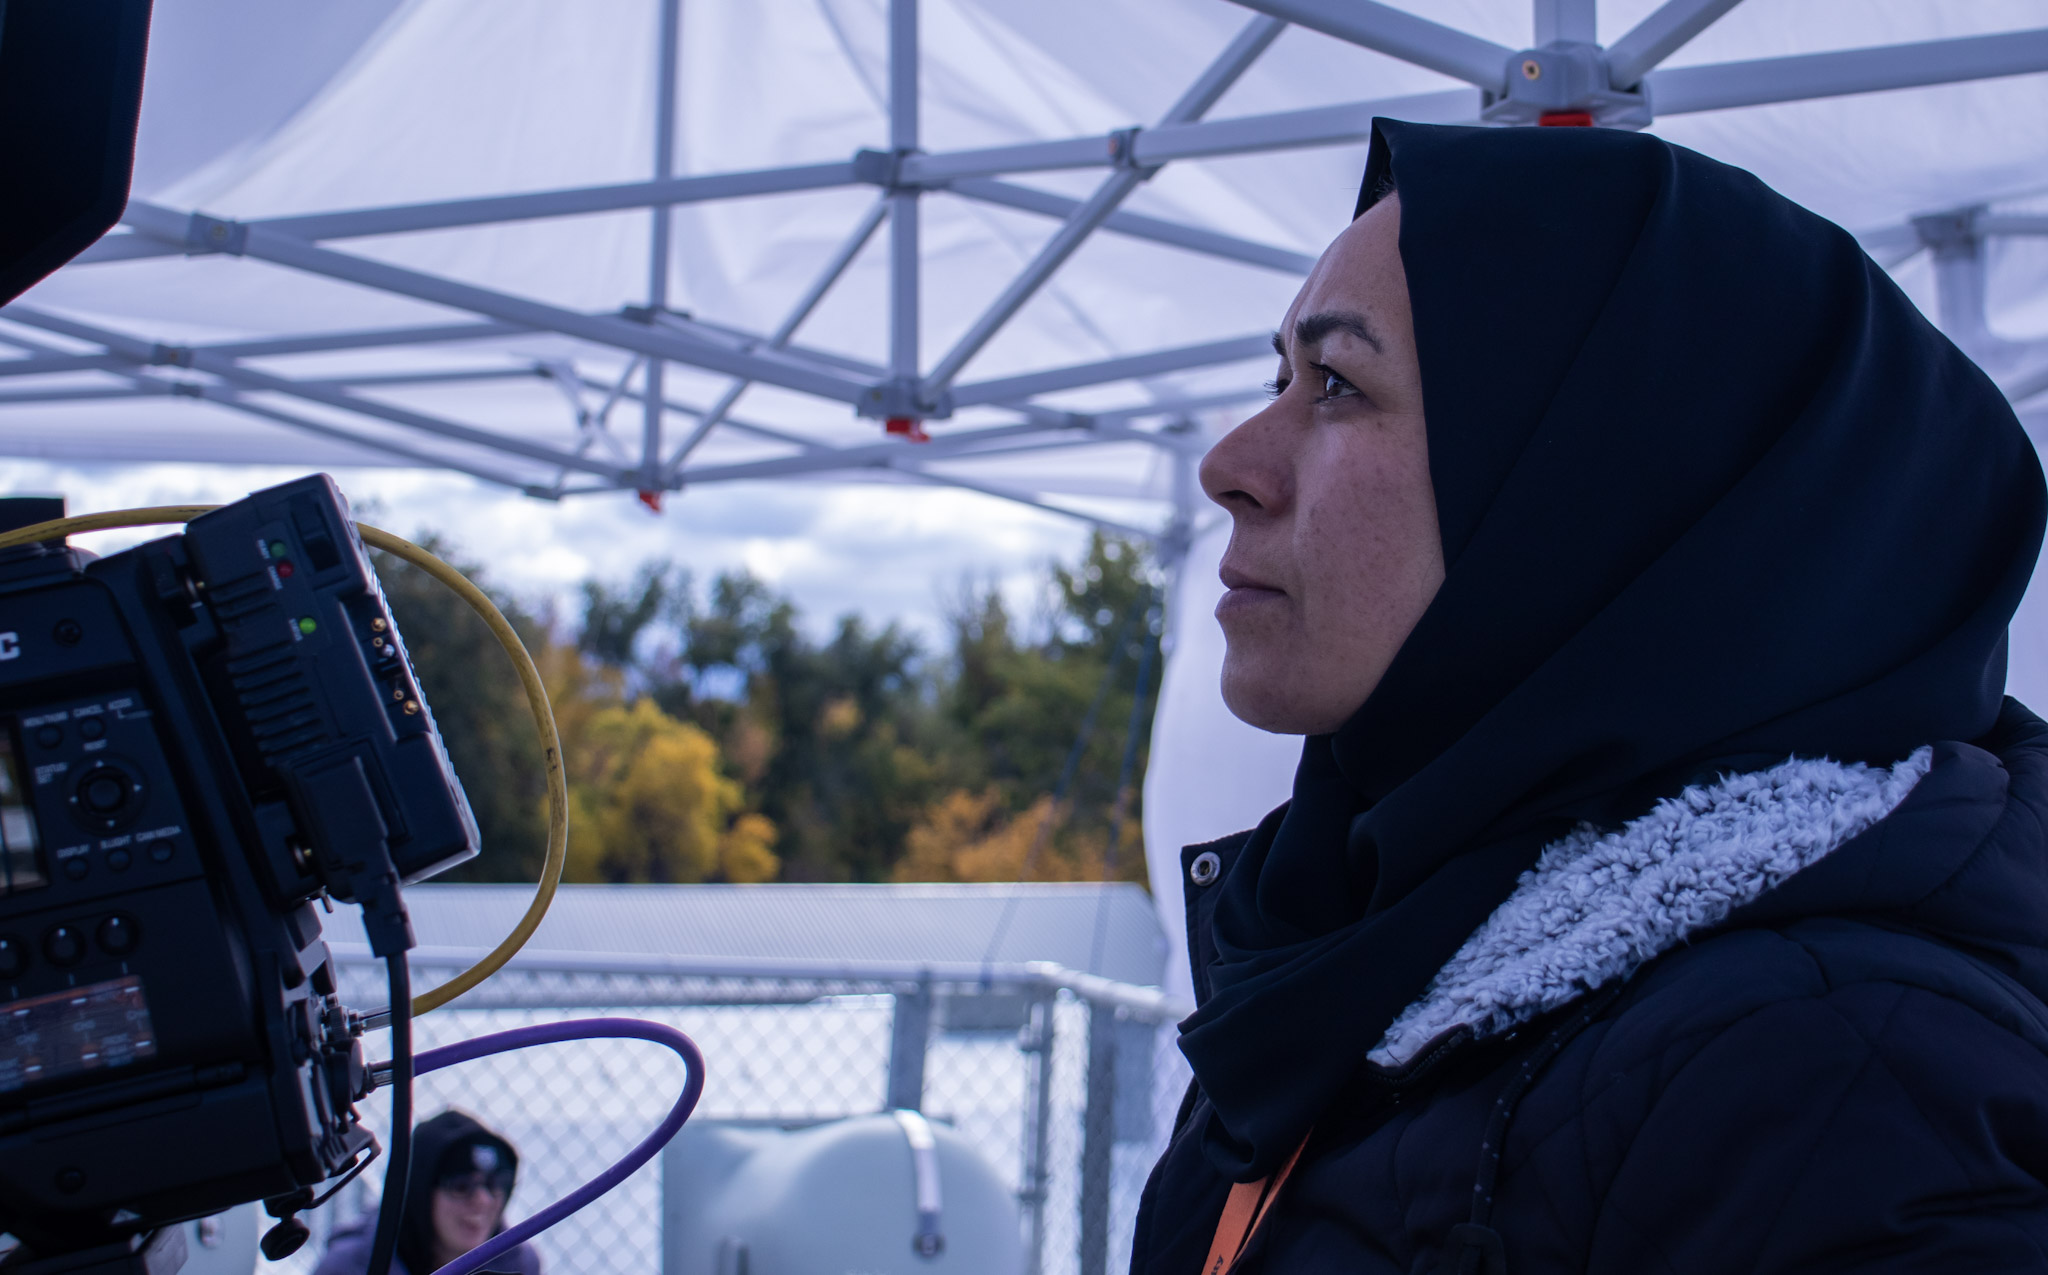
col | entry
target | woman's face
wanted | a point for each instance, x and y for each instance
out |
(466, 1213)
(1334, 550)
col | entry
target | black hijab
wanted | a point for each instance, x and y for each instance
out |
(1712, 492)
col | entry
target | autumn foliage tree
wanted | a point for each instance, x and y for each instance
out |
(650, 804)
(709, 736)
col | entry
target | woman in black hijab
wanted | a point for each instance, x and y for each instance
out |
(1665, 885)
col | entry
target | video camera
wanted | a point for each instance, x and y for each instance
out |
(199, 736)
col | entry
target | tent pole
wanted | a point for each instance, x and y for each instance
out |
(1179, 406)
(1137, 226)
(146, 353)
(1236, 58)
(903, 230)
(1659, 36)
(1128, 367)
(866, 455)
(1397, 33)
(834, 268)
(1807, 77)
(144, 385)
(655, 373)
(1570, 21)
(675, 339)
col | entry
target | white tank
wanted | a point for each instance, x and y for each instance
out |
(888, 1194)
(225, 1244)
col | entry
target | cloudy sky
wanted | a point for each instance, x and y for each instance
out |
(890, 553)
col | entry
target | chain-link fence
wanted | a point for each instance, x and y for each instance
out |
(1065, 1083)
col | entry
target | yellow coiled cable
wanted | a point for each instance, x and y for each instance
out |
(501, 628)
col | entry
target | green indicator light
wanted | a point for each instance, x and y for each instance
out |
(306, 624)
(277, 549)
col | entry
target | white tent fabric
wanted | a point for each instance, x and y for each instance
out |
(449, 99)
(452, 99)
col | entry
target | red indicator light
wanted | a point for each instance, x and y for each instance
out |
(284, 570)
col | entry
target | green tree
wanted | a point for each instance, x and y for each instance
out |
(1051, 716)
(710, 736)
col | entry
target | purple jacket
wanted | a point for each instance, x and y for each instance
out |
(348, 1253)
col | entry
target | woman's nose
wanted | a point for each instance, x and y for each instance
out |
(1245, 471)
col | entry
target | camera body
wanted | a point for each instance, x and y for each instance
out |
(199, 737)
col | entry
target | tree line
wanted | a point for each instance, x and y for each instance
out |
(708, 736)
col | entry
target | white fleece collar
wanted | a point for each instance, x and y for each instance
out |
(1598, 905)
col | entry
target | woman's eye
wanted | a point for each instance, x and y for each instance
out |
(1335, 386)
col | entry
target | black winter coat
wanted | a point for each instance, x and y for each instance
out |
(1848, 1071)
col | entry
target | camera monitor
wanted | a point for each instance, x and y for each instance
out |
(70, 94)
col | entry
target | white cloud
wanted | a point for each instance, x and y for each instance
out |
(889, 552)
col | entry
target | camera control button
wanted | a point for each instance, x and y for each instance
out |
(77, 867)
(49, 736)
(117, 935)
(103, 793)
(64, 945)
(119, 860)
(160, 851)
(13, 956)
(91, 728)
(106, 797)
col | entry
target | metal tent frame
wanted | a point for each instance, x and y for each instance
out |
(1566, 78)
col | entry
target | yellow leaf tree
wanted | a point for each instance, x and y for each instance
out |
(968, 836)
(648, 802)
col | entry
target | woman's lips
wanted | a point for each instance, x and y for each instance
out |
(1242, 592)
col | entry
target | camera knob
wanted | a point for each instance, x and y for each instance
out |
(64, 945)
(13, 956)
(117, 935)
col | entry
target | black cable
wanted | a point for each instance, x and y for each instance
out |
(398, 1169)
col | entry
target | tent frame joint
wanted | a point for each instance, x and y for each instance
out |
(207, 235)
(904, 397)
(1123, 152)
(888, 171)
(1565, 78)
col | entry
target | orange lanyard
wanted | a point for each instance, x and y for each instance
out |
(1247, 1206)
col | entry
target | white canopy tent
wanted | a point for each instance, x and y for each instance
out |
(646, 245)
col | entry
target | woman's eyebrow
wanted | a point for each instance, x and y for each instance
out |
(1310, 329)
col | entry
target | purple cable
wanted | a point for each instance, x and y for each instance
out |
(552, 1033)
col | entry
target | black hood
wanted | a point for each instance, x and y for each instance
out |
(1712, 492)
(433, 1143)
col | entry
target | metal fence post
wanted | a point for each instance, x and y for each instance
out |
(1098, 1139)
(910, 1033)
(804, 1042)
(1037, 1045)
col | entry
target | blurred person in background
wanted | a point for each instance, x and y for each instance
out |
(1664, 886)
(462, 1176)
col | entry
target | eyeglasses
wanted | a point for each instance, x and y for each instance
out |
(497, 1183)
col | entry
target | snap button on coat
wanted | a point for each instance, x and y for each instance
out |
(1205, 868)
